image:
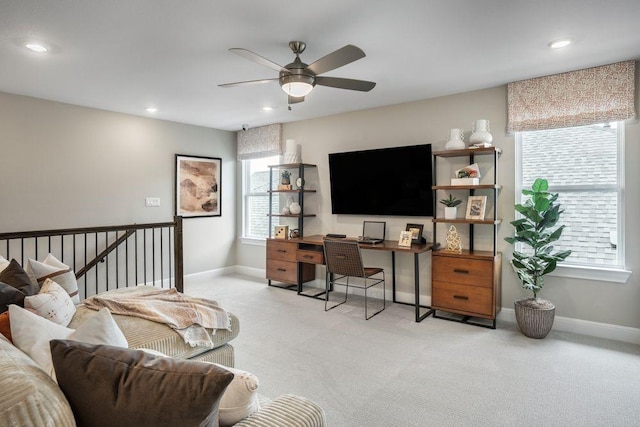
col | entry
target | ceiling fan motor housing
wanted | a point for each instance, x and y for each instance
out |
(297, 73)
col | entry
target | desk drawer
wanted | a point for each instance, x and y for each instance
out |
(471, 272)
(311, 257)
(472, 300)
(282, 271)
(285, 251)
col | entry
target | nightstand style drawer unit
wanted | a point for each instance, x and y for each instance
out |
(467, 284)
(282, 264)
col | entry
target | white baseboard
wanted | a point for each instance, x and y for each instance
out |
(209, 274)
(564, 324)
(584, 327)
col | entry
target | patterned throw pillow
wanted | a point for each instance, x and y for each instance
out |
(52, 303)
(52, 268)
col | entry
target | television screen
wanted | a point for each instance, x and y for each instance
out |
(388, 181)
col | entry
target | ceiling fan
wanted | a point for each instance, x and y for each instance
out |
(298, 79)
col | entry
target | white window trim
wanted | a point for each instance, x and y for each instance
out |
(604, 274)
(247, 240)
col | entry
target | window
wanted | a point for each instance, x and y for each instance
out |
(584, 166)
(255, 206)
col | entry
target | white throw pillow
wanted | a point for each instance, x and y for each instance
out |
(3, 263)
(32, 333)
(52, 303)
(240, 399)
(53, 269)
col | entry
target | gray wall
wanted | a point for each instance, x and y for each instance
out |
(429, 121)
(65, 166)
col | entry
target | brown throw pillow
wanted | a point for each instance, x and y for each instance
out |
(109, 386)
(10, 295)
(15, 276)
(5, 326)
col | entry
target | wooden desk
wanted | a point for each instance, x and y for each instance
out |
(309, 250)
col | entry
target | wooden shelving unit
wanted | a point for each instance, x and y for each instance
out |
(467, 284)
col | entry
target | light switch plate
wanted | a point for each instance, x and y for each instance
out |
(153, 202)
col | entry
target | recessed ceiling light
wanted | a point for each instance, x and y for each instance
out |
(267, 108)
(558, 44)
(151, 109)
(36, 47)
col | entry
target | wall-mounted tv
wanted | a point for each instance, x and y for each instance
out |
(389, 181)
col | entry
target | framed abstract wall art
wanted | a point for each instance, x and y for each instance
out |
(198, 186)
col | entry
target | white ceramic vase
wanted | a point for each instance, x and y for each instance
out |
(481, 132)
(450, 212)
(295, 208)
(292, 152)
(456, 140)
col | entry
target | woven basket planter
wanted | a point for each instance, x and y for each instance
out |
(534, 322)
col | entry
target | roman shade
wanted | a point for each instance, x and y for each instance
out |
(577, 98)
(260, 142)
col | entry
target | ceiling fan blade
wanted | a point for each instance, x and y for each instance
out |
(340, 83)
(257, 58)
(295, 100)
(248, 82)
(340, 57)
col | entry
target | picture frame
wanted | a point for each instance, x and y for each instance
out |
(476, 206)
(198, 186)
(404, 241)
(416, 232)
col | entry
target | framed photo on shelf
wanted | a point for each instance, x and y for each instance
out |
(198, 187)
(475, 207)
(416, 232)
(405, 239)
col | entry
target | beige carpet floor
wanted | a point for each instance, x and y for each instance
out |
(391, 371)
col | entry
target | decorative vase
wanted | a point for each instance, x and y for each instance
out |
(534, 322)
(456, 140)
(295, 208)
(292, 152)
(481, 132)
(450, 212)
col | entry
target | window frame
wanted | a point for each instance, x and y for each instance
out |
(246, 185)
(616, 274)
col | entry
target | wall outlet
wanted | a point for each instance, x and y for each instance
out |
(153, 202)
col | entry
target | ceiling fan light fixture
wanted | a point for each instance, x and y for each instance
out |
(297, 85)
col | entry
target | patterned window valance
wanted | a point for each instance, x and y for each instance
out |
(260, 142)
(577, 98)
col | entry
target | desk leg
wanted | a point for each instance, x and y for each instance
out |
(416, 281)
(393, 274)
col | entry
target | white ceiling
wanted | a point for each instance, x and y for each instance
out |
(125, 55)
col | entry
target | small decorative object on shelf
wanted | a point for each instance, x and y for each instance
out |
(281, 231)
(456, 140)
(454, 242)
(294, 233)
(286, 211)
(295, 208)
(468, 175)
(475, 207)
(292, 152)
(285, 177)
(405, 239)
(300, 183)
(450, 209)
(481, 134)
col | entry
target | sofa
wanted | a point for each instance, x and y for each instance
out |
(30, 396)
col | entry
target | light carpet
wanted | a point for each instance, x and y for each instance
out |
(392, 371)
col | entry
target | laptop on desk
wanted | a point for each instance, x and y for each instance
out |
(372, 232)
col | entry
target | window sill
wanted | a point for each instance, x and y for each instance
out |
(602, 274)
(255, 241)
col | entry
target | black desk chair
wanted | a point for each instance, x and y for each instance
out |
(344, 261)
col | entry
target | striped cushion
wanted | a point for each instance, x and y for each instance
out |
(287, 411)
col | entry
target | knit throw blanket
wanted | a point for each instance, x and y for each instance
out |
(188, 316)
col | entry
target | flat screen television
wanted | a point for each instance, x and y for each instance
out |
(389, 181)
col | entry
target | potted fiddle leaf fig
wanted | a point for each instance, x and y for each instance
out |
(536, 230)
(451, 203)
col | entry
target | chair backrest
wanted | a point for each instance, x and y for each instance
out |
(343, 257)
